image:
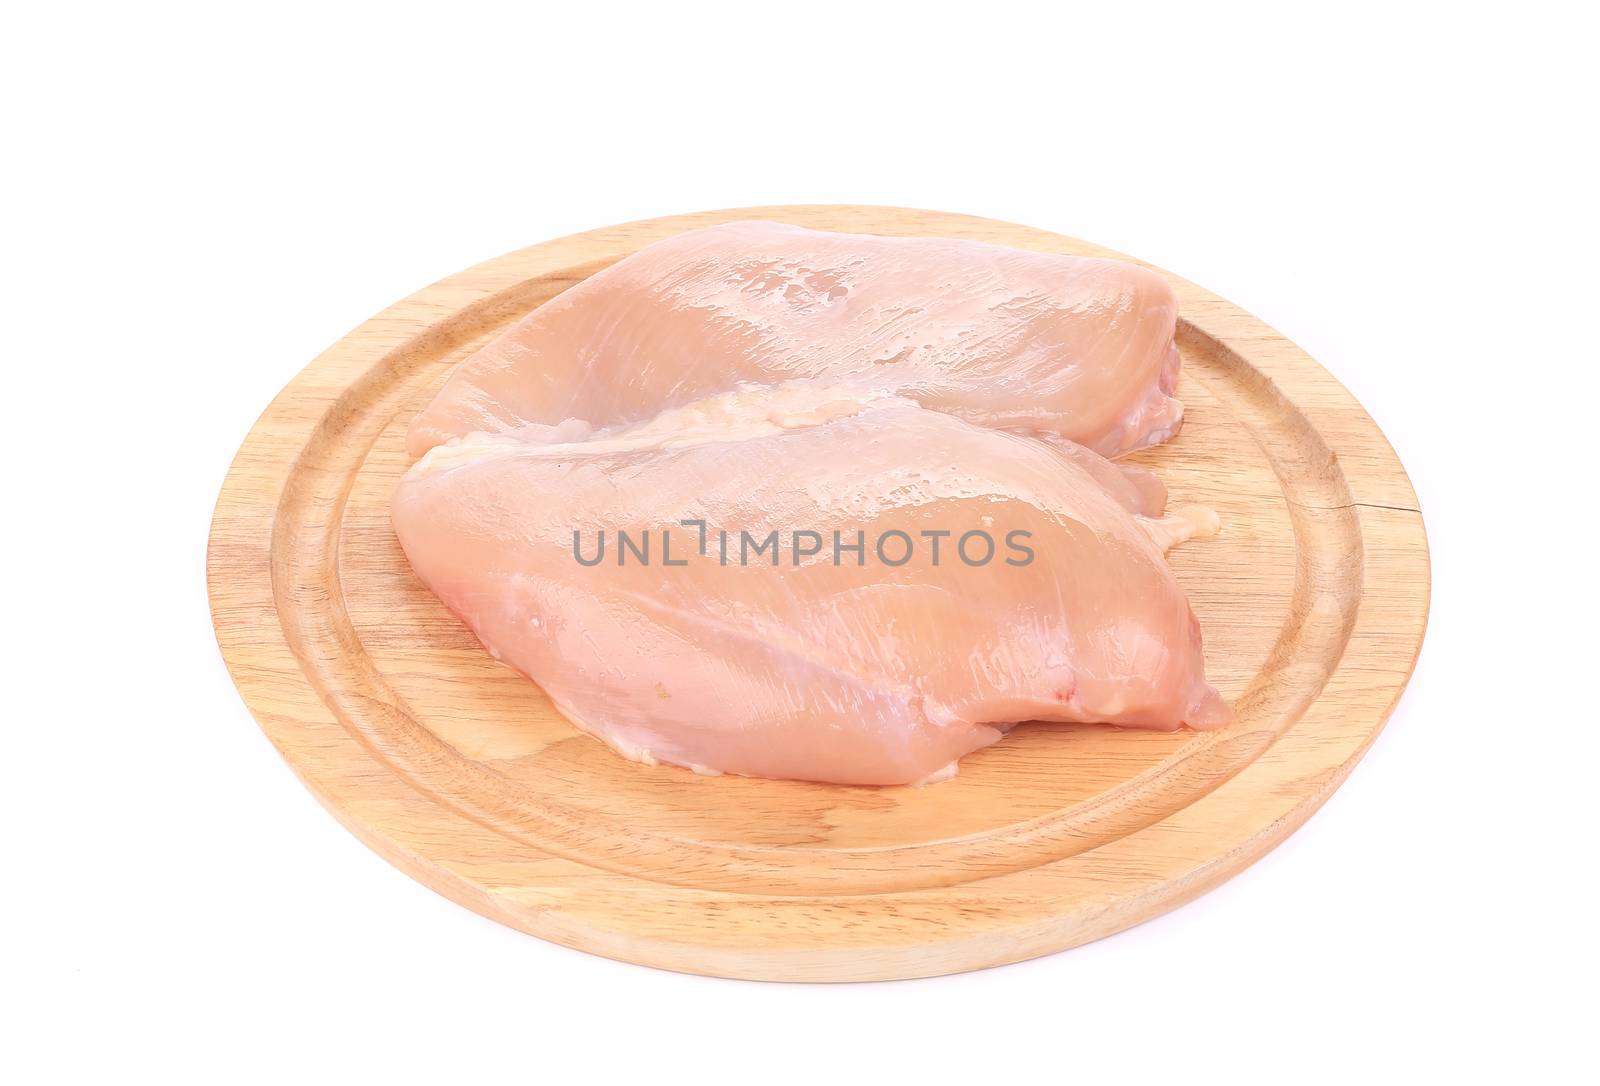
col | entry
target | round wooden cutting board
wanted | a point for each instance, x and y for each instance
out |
(456, 769)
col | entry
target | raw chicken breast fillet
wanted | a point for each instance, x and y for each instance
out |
(1078, 347)
(869, 671)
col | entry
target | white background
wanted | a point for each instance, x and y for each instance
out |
(196, 203)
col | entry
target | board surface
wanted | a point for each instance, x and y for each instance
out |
(1313, 602)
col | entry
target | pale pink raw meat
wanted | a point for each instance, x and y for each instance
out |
(860, 674)
(1073, 346)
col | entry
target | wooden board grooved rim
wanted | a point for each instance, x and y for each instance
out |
(1313, 603)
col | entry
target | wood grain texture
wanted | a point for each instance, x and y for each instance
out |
(1313, 602)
